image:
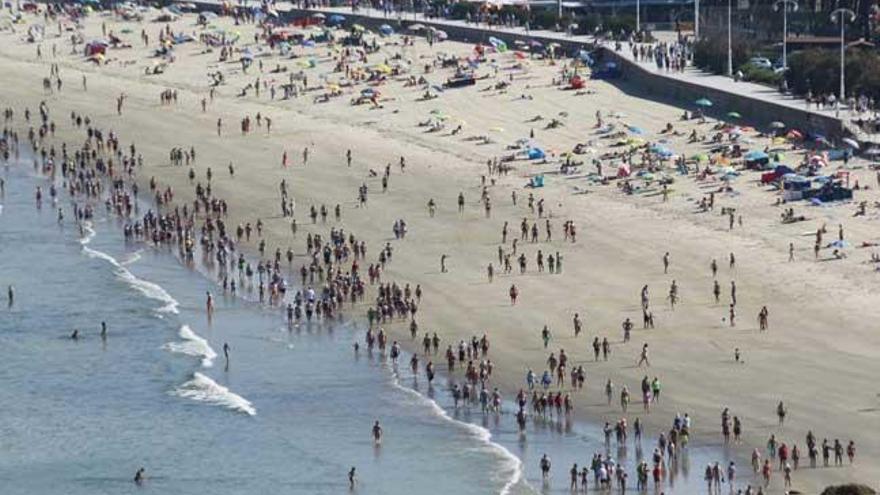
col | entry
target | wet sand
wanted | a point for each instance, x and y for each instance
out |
(819, 355)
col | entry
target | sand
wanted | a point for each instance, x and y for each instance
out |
(819, 356)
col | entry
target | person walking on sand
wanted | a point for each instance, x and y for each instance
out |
(443, 263)
(513, 294)
(644, 356)
(666, 263)
(351, 478)
(10, 296)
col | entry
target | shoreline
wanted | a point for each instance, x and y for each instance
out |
(446, 319)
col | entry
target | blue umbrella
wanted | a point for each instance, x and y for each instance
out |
(386, 30)
(703, 102)
(335, 19)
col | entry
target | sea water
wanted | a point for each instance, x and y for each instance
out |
(291, 412)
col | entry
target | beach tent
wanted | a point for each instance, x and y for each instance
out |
(536, 154)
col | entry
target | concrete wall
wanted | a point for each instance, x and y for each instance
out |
(756, 112)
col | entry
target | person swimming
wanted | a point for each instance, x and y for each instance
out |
(140, 476)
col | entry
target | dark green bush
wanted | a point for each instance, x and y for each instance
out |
(818, 71)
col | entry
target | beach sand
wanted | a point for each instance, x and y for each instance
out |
(819, 356)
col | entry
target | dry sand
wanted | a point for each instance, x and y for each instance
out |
(819, 356)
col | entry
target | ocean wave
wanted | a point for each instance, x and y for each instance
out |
(203, 389)
(511, 473)
(89, 233)
(192, 345)
(132, 258)
(145, 287)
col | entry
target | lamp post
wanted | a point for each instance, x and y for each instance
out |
(842, 16)
(729, 39)
(696, 20)
(638, 17)
(786, 5)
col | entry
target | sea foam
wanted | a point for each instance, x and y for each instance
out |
(512, 472)
(192, 344)
(203, 389)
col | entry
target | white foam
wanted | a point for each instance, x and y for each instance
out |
(203, 389)
(147, 288)
(132, 258)
(151, 290)
(89, 233)
(513, 468)
(192, 345)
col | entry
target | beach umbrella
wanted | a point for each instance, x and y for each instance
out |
(415, 27)
(852, 143)
(386, 30)
(335, 19)
(358, 27)
(777, 124)
(872, 152)
(319, 16)
(734, 115)
(700, 157)
(703, 102)
(440, 35)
